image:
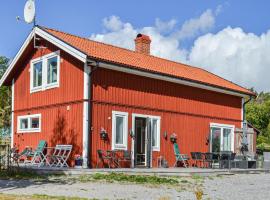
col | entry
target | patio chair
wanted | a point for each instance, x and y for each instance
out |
(102, 158)
(16, 157)
(184, 158)
(59, 156)
(197, 157)
(126, 157)
(208, 159)
(37, 156)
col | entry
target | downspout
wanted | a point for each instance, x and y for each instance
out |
(93, 68)
(244, 108)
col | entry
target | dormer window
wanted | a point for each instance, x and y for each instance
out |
(45, 72)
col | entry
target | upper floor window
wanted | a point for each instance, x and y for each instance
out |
(29, 123)
(45, 72)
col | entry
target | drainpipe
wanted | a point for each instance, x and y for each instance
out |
(93, 67)
(244, 108)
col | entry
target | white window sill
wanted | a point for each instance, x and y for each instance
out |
(120, 148)
(50, 86)
(155, 149)
(29, 131)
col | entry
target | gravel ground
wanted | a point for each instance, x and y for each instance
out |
(252, 186)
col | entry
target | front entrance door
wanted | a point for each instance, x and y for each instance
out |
(140, 141)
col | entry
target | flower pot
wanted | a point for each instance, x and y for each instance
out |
(78, 162)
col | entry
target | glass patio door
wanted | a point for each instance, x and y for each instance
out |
(221, 138)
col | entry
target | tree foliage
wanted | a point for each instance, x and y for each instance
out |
(5, 97)
(258, 113)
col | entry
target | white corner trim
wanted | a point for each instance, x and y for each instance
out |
(12, 114)
(125, 136)
(62, 45)
(170, 79)
(86, 113)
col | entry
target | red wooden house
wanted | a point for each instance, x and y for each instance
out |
(71, 90)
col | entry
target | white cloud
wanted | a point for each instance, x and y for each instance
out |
(165, 27)
(195, 26)
(235, 55)
(231, 53)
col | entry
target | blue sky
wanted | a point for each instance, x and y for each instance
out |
(229, 20)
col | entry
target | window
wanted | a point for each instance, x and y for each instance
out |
(29, 123)
(45, 72)
(37, 74)
(156, 134)
(52, 70)
(119, 130)
(222, 137)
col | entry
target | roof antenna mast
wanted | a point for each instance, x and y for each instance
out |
(30, 18)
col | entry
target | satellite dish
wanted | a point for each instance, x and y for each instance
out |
(29, 11)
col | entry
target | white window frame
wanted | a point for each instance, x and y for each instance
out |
(157, 147)
(158, 118)
(223, 126)
(38, 88)
(29, 130)
(44, 59)
(125, 133)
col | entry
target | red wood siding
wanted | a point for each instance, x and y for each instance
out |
(184, 110)
(58, 124)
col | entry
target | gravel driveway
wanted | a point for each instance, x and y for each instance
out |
(252, 186)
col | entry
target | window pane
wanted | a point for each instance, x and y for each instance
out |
(227, 139)
(52, 70)
(119, 130)
(35, 122)
(37, 73)
(23, 124)
(215, 139)
(154, 136)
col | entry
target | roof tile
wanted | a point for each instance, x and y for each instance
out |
(140, 61)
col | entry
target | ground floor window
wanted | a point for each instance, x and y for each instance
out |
(221, 137)
(29, 123)
(119, 130)
(156, 134)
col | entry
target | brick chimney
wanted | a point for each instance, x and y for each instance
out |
(142, 44)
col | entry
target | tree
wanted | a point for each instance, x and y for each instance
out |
(5, 97)
(258, 113)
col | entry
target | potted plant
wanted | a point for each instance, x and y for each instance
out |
(173, 137)
(78, 161)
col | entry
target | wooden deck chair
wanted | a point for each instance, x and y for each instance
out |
(180, 157)
(60, 156)
(37, 156)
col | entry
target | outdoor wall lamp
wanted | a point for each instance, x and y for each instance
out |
(103, 134)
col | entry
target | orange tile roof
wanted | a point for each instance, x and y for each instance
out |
(132, 59)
